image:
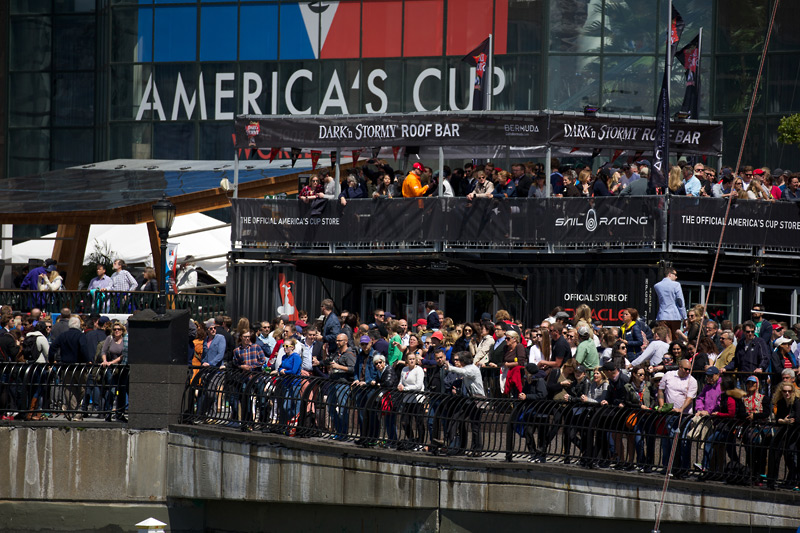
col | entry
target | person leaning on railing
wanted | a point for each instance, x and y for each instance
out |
(784, 443)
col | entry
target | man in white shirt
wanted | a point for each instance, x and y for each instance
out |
(655, 350)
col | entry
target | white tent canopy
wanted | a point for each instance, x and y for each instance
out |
(131, 243)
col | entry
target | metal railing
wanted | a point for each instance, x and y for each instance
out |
(593, 436)
(202, 306)
(37, 391)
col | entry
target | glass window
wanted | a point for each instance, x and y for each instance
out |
(30, 41)
(741, 25)
(24, 7)
(73, 99)
(628, 85)
(28, 151)
(76, 40)
(575, 26)
(524, 26)
(455, 305)
(218, 33)
(400, 305)
(482, 302)
(754, 148)
(346, 73)
(303, 95)
(29, 95)
(785, 36)
(132, 34)
(338, 40)
(428, 78)
(630, 26)
(381, 35)
(299, 32)
(520, 82)
(215, 141)
(511, 302)
(258, 32)
(782, 94)
(175, 34)
(468, 25)
(573, 82)
(74, 6)
(131, 140)
(174, 140)
(734, 80)
(220, 102)
(128, 84)
(426, 295)
(424, 28)
(381, 88)
(376, 299)
(72, 147)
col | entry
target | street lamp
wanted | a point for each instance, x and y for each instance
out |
(164, 216)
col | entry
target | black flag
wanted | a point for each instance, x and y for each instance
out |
(479, 58)
(689, 56)
(661, 150)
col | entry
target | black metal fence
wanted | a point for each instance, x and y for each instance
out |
(36, 391)
(202, 306)
(594, 436)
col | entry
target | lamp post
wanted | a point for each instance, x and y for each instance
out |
(164, 216)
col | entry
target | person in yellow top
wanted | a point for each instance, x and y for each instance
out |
(412, 188)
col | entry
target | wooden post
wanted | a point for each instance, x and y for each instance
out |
(69, 250)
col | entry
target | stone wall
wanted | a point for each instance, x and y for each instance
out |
(194, 478)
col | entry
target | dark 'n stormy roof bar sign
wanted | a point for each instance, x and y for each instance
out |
(521, 130)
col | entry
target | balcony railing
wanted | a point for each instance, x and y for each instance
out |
(733, 450)
(202, 306)
(512, 224)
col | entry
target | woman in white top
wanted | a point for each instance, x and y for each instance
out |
(52, 281)
(480, 351)
(412, 378)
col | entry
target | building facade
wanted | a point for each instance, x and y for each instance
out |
(92, 80)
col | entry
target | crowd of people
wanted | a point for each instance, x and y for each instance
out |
(708, 372)
(377, 179)
(71, 367)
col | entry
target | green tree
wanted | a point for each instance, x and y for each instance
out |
(789, 130)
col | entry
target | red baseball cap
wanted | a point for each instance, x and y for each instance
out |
(418, 166)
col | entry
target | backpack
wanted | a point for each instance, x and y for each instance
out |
(29, 350)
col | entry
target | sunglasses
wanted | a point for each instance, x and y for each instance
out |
(117, 329)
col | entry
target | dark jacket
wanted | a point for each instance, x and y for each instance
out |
(496, 355)
(435, 378)
(387, 379)
(750, 355)
(8, 348)
(578, 389)
(616, 390)
(536, 389)
(73, 347)
(330, 329)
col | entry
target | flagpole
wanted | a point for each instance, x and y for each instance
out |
(667, 74)
(490, 72)
(697, 71)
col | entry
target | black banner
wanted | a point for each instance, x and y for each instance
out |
(750, 223)
(689, 56)
(479, 59)
(410, 129)
(577, 131)
(485, 221)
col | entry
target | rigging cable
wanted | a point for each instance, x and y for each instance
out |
(716, 256)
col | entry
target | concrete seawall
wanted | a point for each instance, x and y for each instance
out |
(195, 478)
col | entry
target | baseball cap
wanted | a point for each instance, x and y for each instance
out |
(643, 162)
(52, 267)
(609, 365)
(102, 320)
(438, 335)
(421, 322)
(658, 375)
(418, 166)
(758, 172)
(387, 314)
(753, 379)
(364, 339)
(712, 371)
(584, 331)
(580, 369)
(782, 340)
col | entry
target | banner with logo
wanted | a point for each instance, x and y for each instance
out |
(479, 58)
(532, 222)
(356, 132)
(750, 222)
(577, 131)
